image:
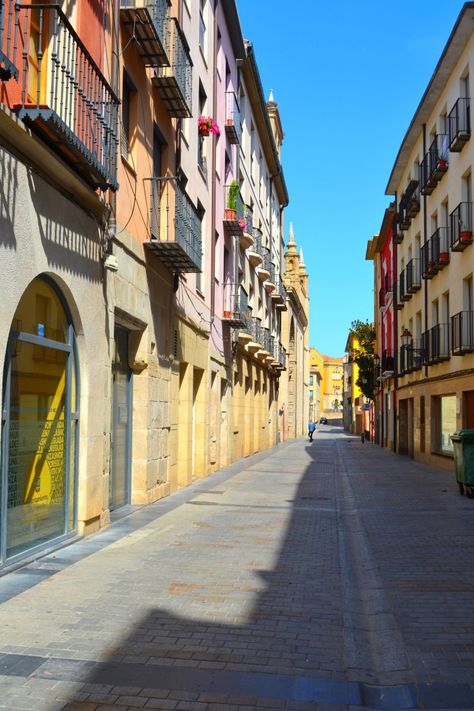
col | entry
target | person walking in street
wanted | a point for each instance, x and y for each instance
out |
(311, 428)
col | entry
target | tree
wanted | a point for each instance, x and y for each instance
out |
(364, 356)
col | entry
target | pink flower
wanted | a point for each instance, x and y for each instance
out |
(209, 123)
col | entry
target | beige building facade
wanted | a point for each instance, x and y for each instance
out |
(143, 333)
(432, 182)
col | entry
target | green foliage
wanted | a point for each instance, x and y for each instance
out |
(232, 195)
(363, 356)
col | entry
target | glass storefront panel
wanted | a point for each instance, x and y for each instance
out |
(41, 313)
(119, 489)
(447, 422)
(36, 447)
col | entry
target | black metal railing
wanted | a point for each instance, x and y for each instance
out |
(440, 244)
(397, 233)
(387, 362)
(266, 339)
(462, 332)
(428, 267)
(232, 118)
(436, 344)
(434, 164)
(403, 294)
(174, 219)
(413, 276)
(282, 355)
(266, 264)
(64, 93)
(174, 82)
(411, 357)
(236, 308)
(255, 329)
(461, 226)
(257, 241)
(8, 40)
(413, 199)
(459, 124)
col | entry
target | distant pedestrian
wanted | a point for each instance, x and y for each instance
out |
(362, 437)
(311, 428)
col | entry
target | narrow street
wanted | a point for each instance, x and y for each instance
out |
(326, 576)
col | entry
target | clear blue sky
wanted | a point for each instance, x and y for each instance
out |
(347, 77)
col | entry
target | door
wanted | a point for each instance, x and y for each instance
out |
(119, 483)
(39, 422)
(468, 409)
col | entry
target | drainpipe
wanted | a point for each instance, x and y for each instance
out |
(425, 232)
(213, 172)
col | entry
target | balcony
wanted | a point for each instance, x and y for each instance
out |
(236, 308)
(411, 357)
(397, 233)
(174, 82)
(279, 295)
(147, 23)
(256, 333)
(8, 44)
(440, 244)
(175, 227)
(459, 125)
(412, 197)
(428, 268)
(461, 227)
(435, 164)
(270, 284)
(403, 294)
(279, 357)
(263, 270)
(387, 364)
(399, 302)
(385, 290)
(246, 233)
(64, 97)
(436, 344)
(232, 118)
(255, 252)
(234, 218)
(462, 332)
(265, 353)
(413, 276)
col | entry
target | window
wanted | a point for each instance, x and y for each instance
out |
(201, 215)
(202, 26)
(311, 381)
(444, 412)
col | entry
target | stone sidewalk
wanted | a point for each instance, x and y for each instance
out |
(321, 576)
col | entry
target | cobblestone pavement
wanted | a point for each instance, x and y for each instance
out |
(318, 576)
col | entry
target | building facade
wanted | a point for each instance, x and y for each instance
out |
(432, 236)
(143, 333)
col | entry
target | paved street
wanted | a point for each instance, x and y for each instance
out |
(322, 576)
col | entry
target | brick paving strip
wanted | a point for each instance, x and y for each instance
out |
(276, 583)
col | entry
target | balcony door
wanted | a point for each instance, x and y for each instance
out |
(119, 481)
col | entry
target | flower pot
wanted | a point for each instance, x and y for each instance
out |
(230, 214)
(227, 314)
(466, 236)
(443, 258)
(442, 164)
(203, 130)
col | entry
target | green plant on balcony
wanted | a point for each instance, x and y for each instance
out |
(232, 194)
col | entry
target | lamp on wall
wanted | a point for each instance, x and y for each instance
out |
(406, 337)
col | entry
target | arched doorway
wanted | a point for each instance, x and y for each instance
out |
(39, 424)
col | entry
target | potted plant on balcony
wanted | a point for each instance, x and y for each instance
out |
(207, 125)
(465, 236)
(231, 209)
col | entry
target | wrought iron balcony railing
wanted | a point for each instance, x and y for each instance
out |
(279, 294)
(411, 357)
(386, 289)
(147, 22)
(232, 118)
(8, 40)
(263, 270)
(412, 199)
(397, 233)
(462, 332)
(174, 82)
(461, 227)
(459, 124)
(403, 294)
(387, 363)
(434, 164)
(236, 308)
(435, 253)
(255, 328)
(175, 227)
(235, 221)
(436, 344)
(64, 96)
(413, 276)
